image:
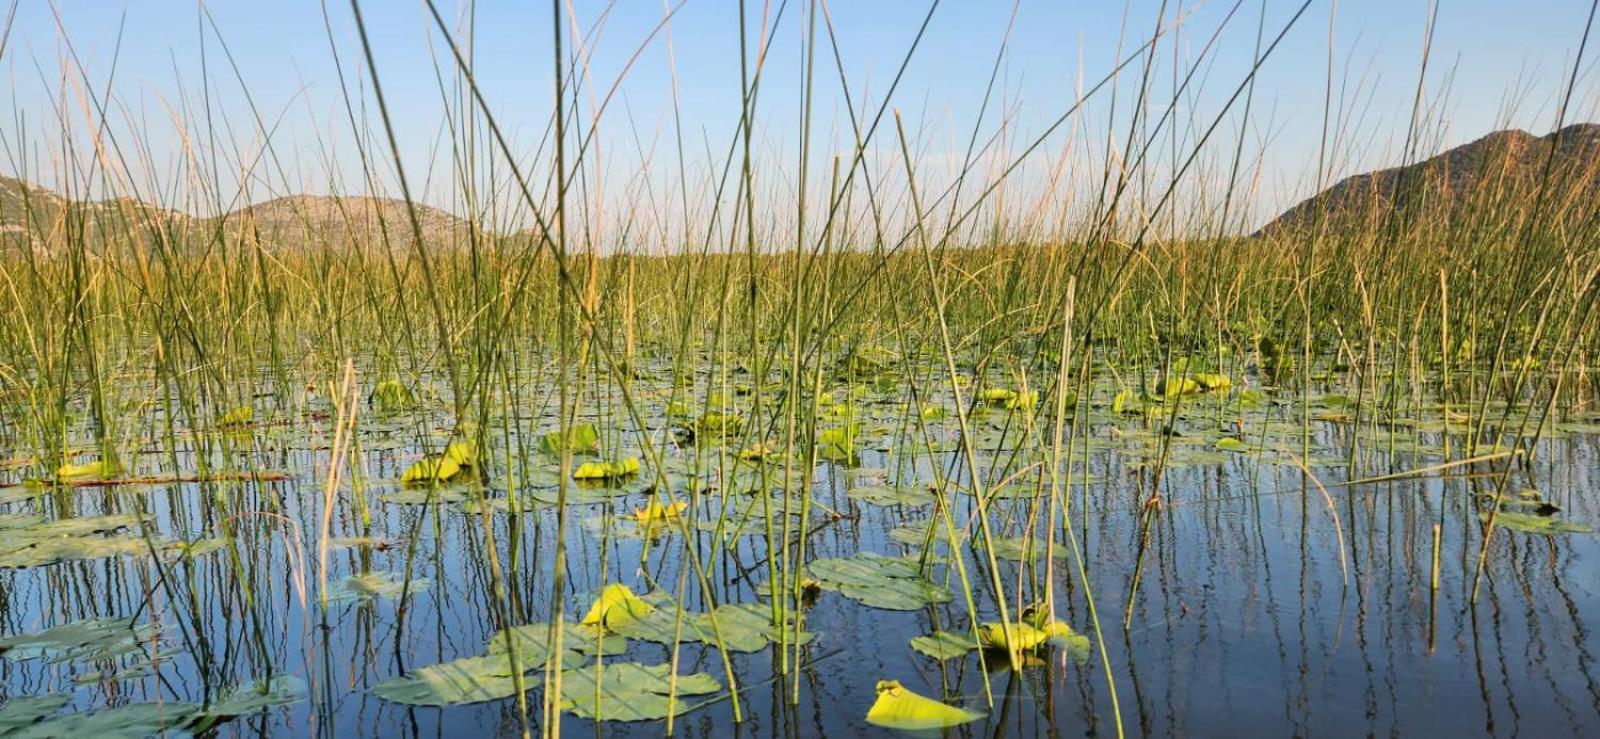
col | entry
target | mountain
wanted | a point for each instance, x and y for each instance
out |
(1498, 176)
(345, 221)
(286, 222)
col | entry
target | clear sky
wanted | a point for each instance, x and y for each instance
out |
(1494, 63)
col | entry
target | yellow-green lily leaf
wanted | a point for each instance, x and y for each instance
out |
(899, 708)
(1212, 381)
(997, 395)
(431, 469)
(1175, 388)
(655, 513)
(1023, 400)
(999, 636)
(463, 453)
(391, 395)
(467, 680)
(607, 470)
(237, 417)
(1532, 523)
(582, 438)
(87, 470)
(616, 608)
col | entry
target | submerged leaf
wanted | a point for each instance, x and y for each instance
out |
(899, 708)
(370, 586)
(1529, 523)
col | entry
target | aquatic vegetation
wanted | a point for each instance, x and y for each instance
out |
(237, 417)
(366, 587)
(899, 708)
(431, 469)
(581, 438)
(623, 467)
(891, 583)
(89, 640)
(457, 682)
(629, 691)
(72, 539)
(616, 607)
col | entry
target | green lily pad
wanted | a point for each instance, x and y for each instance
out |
(92, 640)
(886, 495)
(134, 721)
(259, 695)
(891, 583)
(457, 682)
(629, 691)
(942, 645)
(71, 539)
(23, 710)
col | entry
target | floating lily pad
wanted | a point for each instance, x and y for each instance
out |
(886, 495)
(891, 583)
(71, 539)
(579, 642)
(23, 710)
(92, 640)
(942, 645)
(134, 721)
(259, 695)
(457, 682)
(629, 691)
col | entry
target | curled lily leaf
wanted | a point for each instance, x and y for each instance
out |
(617, 607)
(899, 708)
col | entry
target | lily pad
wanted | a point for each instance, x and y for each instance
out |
(457, 682)
(886, 495)
(259, 695)
(891, 583)
(133, 721)
(629, 691)
(93, 640)
(27, 709)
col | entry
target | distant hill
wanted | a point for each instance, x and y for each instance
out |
(287, 222)
(321, 220)
(1502, 171)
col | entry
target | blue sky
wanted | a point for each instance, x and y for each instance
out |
(1482, 50)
